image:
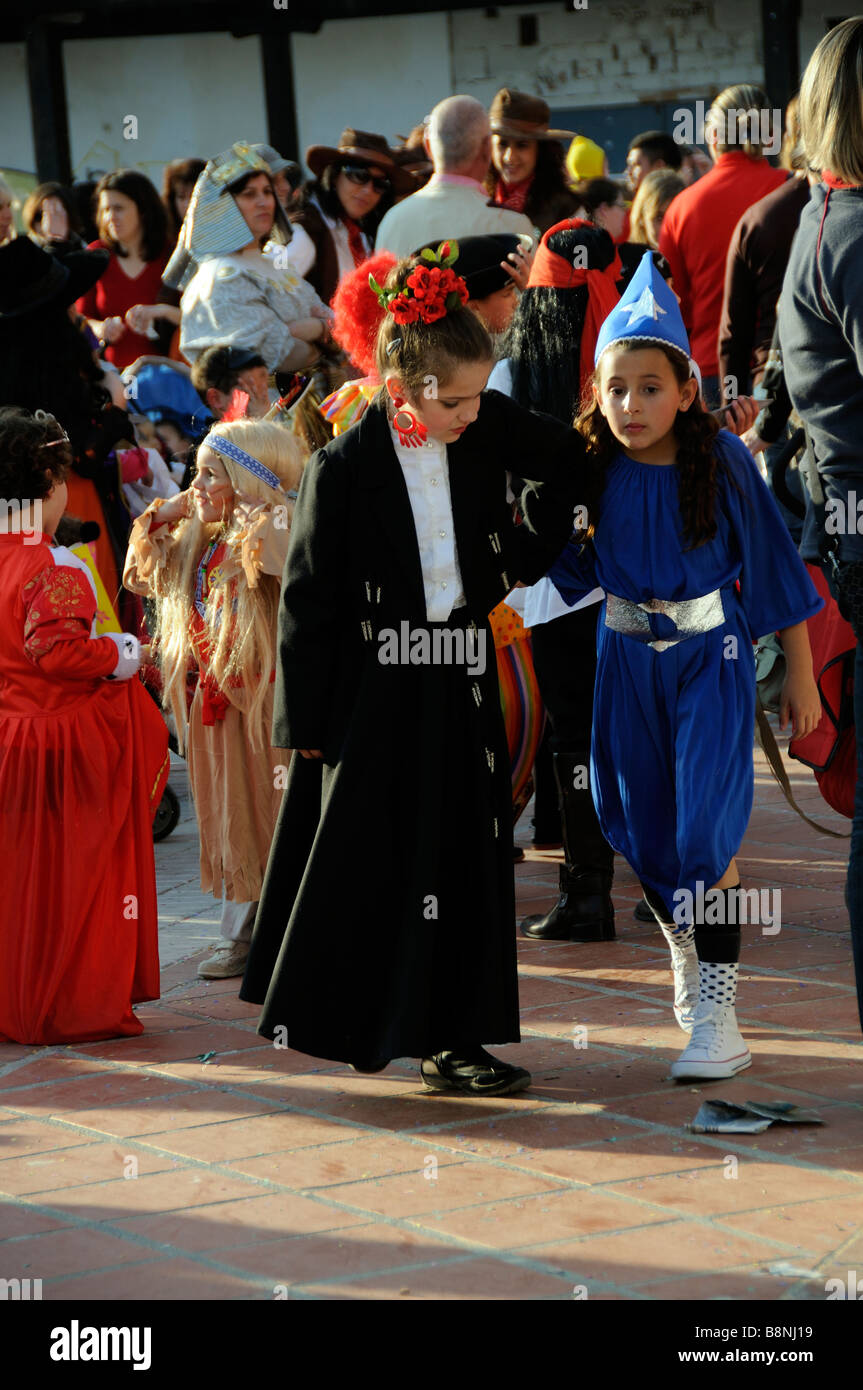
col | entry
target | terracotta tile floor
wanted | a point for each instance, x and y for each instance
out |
(134, 1169)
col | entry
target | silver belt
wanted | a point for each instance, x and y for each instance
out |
(688, 618)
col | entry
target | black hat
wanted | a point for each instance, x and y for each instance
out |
(479, 262)
(30, 278)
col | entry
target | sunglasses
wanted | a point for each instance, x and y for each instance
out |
(359, 173)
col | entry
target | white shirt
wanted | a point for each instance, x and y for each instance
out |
(448, 206)
(300, 251)
(427, 477)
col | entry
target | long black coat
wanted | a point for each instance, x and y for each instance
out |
(386, 924)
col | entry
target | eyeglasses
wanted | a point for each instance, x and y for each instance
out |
(359, 173)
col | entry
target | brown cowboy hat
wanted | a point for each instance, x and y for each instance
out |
(523, 117)
(365, 148)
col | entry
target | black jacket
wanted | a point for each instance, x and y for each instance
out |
(756, 262)
(353, 565)
(821, 330)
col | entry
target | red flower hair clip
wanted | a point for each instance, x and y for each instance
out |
(431, 290)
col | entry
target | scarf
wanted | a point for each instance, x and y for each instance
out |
(513, 195)
(356, 243)
(551, 271)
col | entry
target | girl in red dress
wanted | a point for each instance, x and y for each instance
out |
(83, 762)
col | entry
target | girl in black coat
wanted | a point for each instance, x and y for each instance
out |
(386, 924)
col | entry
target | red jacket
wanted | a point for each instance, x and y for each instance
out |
(696, 233)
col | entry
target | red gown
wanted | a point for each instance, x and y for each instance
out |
(83, 762)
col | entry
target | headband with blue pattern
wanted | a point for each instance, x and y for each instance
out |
(220, 445)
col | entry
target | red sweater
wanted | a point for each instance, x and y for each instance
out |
(113, 294)
(696, 233)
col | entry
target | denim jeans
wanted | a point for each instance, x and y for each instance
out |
(849, 586)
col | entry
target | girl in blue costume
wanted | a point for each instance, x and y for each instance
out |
(696, 564)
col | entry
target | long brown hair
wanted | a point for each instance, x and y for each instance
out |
(697, 465)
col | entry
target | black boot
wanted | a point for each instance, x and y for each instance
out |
(584, 911)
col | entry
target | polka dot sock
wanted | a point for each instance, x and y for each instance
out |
(718, 983)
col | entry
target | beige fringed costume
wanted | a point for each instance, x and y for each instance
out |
(236, 787)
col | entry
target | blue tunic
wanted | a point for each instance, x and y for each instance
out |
(671, 762)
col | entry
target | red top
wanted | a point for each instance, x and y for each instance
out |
(696, 233)
(114, 293)
(83, 766)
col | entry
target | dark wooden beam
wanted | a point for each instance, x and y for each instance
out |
(780, 28)
(47, 85)
(277, 62)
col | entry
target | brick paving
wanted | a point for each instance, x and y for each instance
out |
(198, 1161)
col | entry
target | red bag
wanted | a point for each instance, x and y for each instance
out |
(831, 749)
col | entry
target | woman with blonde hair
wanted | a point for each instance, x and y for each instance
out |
(655, 194)
(821, 330)
(698, 226)
(212, 558)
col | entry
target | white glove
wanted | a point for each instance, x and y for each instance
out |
(128, 655)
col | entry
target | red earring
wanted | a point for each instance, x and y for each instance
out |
(410, 431)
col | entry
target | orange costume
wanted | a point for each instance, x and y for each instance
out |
(83, 762)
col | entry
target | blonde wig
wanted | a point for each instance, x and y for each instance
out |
(241, 615)
(655, 193)
(831, 103)
(742, 118)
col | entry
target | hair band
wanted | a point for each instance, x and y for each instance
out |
(220, 445)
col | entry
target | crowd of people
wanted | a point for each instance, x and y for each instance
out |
(469, 394)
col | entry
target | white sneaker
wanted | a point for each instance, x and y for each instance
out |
(227, 960)
(716, 1049)
(684, 965)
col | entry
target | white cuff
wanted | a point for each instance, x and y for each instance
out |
(128, 655)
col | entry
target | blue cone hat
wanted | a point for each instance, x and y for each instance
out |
(648, 309)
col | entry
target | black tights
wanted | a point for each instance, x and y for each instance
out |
(715, 942)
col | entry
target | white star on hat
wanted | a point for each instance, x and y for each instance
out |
(645, 307)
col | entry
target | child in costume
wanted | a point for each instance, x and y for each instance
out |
(211, 558)
(572, 286)
(385, 927)
(358, 316)
(696, 563)
(83, 763)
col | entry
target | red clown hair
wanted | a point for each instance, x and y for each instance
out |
(358, 314)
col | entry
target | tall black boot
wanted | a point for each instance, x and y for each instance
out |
(584, 910)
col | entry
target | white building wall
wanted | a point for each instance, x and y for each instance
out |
(192, 94)
(16, 129)
(814, 15)
(610, 53)
(382, 75)
(195, 94)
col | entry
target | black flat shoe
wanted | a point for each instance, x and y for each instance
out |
(364, 1069)
(480, 1074)
(642, 912)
